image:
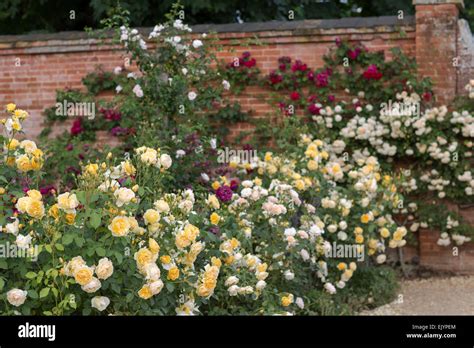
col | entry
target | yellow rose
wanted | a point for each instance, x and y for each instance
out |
(145, 292)
(341, 266)
(299, 184)
(143, 257)
(286, 301)
(70, 218)
(120, 226)
(234, 243)
(128, 168)
(181, 241)
(216, 262)
(151, 217)
(35, 209)
(83, 275)
(210, 283)
(384, 232)
(36, 164)
(22, 204)
(215, 218)
(173, 273)
(359, 239)
(202, 291)
(191, 232)
(23, 163)
(92, 169)
(365, 218)
(12, 144)
(11, 107)
(153, 245)
(2, 190)
(166, 259)
(213, 201)
(54, 211)
(215, 185)
(35, 194)
(312, 165)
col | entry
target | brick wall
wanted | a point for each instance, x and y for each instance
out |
(33, 67)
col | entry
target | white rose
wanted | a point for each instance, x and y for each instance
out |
(156, 286)
(104, 268)
(192, 95)
(92, 286)
(137, 90)
(299, 302)
(23, 242)
(226, 85)
(304, 254)
(100, 302)
(246, 192)
(151, 271)
(161, 206)
(289, 275)
(197, 43)
(231, 281)
(124, 196)
(233, 290)
(261, 284)
(16, 297)
(13, 227)
(166, 161)
(381, 258)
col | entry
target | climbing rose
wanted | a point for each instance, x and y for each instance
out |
(372, 73)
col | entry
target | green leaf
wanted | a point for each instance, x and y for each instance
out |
(119, 257)
(81, 196)
(170, 287)
(48, 248)
(47, 313)
(30, 275)
(55, 292)
(3, 264)
(68, 238)
(59, 247)
(44, 292)
(79, 241)
(95, 220)
(33, 294)
(2, 284)
(100, 251)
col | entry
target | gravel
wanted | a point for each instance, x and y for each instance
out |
(432, 296)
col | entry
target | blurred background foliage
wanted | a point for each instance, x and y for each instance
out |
(44, 16)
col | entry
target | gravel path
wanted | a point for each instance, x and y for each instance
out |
(432, 296)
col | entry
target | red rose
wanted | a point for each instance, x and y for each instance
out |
(295, 96)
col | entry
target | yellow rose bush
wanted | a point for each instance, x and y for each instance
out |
(297, 228)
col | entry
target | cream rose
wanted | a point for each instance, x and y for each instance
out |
(92, 286)
(104, 268)
(100, 303)
(124, 196)
(16, 297)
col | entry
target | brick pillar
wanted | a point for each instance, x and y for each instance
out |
(436, 44)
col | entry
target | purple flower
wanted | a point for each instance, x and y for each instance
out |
(215, 230)
(224, 193)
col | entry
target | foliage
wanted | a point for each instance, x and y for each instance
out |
(147, 247)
